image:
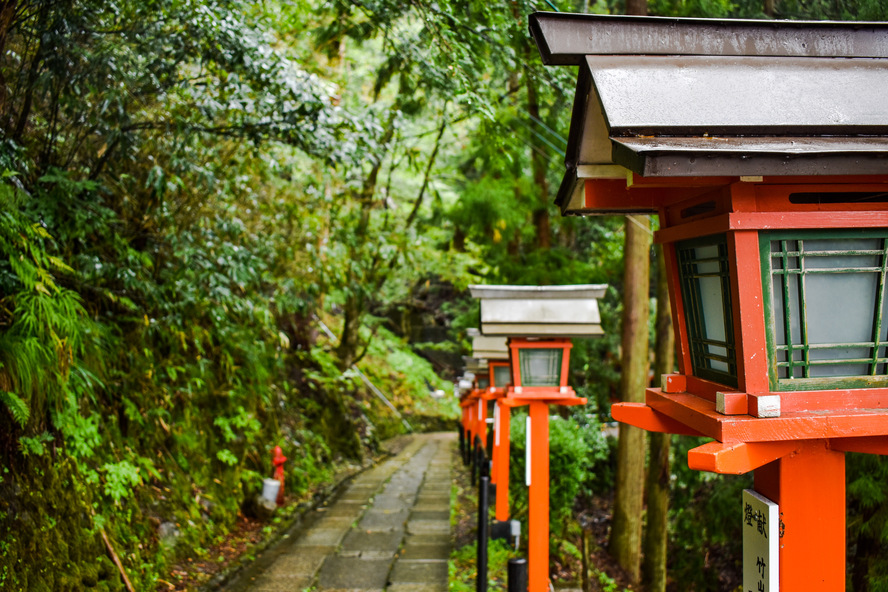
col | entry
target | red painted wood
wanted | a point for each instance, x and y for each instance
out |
(696, 413)
(642, 416)
(538, 500)
(847, 399)
(682, 349)
(735, 404)
(700, 415)
(816, 220)
(809, 487)
(520, 401)
(501, 465)
(705, 389)
(736, 458)
(674, 383)
(865, 445)
(481, 421)
(749, 312)
(775, 198)
(715, 225)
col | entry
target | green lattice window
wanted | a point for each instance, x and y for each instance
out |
(827, 308)
(540, 366)
(706, 290)
(502, 375)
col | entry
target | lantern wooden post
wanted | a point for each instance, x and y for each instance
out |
(481, 421)
(538, 497)
(809, 487)
(501, 460)
(494, 392)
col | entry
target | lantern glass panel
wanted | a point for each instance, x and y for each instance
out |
(706, 291)
(828, 307)
(540, 366)
(502, 375)
(483, 382)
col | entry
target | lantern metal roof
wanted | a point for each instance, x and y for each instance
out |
(672, 97)
(488, 347)
(491, 348)
(475, 365)
(540, 311)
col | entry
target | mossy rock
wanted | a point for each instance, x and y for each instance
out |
(89, 575)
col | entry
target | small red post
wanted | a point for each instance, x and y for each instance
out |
(538, 498)
(278, 459)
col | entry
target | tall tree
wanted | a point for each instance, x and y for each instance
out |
(657, 482)
(625, 539)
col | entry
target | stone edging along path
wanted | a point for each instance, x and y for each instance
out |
(389, 529)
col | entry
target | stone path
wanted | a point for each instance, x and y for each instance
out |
(390, 530)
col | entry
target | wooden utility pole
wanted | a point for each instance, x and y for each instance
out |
(657, 484)
(625, 541)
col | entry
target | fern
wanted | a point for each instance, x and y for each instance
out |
(16, 406)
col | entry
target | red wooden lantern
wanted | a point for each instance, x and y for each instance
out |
(539, 367)
(765, 161)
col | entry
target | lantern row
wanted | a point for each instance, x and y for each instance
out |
(525, 343)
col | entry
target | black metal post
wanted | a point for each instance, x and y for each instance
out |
(462, 443)
(476, 459)
(474, 466)
(517, 572)
(483, 504)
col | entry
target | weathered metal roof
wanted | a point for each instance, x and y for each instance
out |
(475, 365)
(669, 97)
(563, 39)
(565, 292)
(537, 311)
(490, 348)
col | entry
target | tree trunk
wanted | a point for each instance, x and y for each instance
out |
(639, 7)
(657, 484)
(625, 540)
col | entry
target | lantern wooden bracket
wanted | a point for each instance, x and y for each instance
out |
(644, 417)
(737, 458)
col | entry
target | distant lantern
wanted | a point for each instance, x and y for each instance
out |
(762, 146)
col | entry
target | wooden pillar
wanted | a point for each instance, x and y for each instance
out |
(501, 461)
(538, 498)
(809, 488)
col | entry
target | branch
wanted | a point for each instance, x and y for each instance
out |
(425, 180)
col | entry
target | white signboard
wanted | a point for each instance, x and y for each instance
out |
(761, 543)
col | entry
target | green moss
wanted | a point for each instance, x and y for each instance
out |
(42, 516)
(89, 575)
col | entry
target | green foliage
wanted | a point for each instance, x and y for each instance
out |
(120, 479)
(578, 453)
(703, 515)
(462, 566)
(867, 475)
